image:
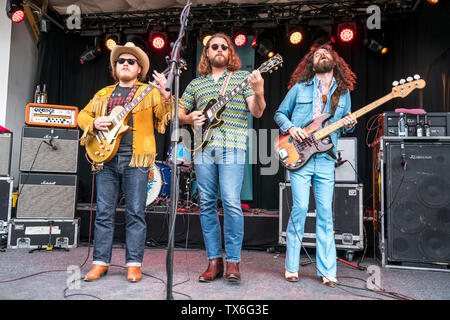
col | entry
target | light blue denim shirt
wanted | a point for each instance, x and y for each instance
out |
(298, 106)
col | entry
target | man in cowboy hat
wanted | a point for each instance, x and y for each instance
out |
(135, 155)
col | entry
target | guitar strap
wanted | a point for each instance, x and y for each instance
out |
(334, 103)
(225, 85)
(129, 97)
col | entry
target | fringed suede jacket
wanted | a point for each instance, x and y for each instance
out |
(151, 113)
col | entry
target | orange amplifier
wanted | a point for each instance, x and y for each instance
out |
(50, 115)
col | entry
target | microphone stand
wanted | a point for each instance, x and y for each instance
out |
(174, 74)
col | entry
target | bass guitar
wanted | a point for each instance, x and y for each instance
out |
(103, 146)
(295, 154)
(195, 137)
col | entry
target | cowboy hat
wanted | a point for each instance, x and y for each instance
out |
(130, 48)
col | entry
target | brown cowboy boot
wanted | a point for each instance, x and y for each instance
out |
(134, 274)
(96, 272)
(215, 270)
(232, 274)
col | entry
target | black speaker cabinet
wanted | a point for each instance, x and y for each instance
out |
(416, 183)
(49, 150)
(347, 216)
(46, 196)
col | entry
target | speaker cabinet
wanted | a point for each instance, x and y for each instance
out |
(49, 150)
(46, 196)
(6, 141)
(416, 181)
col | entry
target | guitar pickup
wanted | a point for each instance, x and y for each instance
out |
(282, 153)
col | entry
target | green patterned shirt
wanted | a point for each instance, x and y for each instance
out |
(233, 132)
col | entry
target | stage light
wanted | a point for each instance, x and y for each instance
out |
(91, 53)
(240, 39)
(111, 41)
(433, 1)
(295, 37)
(14, 10)
(376, 46)
(346, 32)
(254, 44)
(158, 40)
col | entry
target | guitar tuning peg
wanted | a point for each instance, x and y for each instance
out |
(395, 83)
(402, 81)
(416, 76)
(409, 79)
(270, 71)
(276, 68)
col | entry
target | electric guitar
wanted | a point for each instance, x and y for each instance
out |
(295, 154)
(195, 137)
(103, 146)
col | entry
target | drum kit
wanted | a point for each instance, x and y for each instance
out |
(159, 180)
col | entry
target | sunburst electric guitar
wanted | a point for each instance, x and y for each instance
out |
(295, 154)
(103, 146)
(196, 137)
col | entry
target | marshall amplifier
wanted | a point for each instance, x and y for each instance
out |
(6, 141)
(439, 123)
(46, 196)
(49, 150)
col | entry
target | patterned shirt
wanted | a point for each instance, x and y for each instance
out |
(233, 132)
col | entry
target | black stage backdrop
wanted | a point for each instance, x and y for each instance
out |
(418, 43)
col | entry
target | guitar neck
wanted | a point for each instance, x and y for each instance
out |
(322, 133)
(230, 95)
(130, 106)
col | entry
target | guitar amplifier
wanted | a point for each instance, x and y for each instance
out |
(439, 123)
(6, 141)
(49, 150)
(6, 190)
(43, 233)
(46, 196)
(347, 216)
(49, 115)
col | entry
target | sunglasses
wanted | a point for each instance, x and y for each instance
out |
(130, 61)
(215, 46)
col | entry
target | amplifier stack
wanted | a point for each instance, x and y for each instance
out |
(47, 191)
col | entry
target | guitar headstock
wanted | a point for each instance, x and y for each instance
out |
(271, 64)
(404, 87)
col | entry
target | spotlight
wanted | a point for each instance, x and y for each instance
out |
(111, 41)
(240, 39)
(295, 37)
(90, 54)
(433, 1)
(376, 46)
(158, 40)
(14, 10)
(205, 39)
(346, 32)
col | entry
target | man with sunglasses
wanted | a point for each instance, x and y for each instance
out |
(136, 153)
(221, 163)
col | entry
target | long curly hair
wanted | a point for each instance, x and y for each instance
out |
(345, 78)
(234, 63)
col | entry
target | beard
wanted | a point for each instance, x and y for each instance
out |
(219, 61)
(324, 66)
(126, 75)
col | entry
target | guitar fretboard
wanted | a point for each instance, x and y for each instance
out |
(322, 133)
(230, 95)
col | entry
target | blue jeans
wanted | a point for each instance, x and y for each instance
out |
(319, 170)
(222, 167)
(115, 173)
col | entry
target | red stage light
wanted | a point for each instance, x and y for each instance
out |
(254, 44)
(347, 34)
(240, 39)
(158, 42)
(18, 15)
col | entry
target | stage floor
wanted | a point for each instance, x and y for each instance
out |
(262, 278)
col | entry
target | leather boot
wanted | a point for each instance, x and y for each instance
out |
(134, 274)
(96, 272)
(232, 274)
(215, 270)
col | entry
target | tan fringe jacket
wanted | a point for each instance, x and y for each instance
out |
(149, 114)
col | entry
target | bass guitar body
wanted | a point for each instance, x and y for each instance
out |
(295, 154)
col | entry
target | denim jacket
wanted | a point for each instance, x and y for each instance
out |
(298, 106)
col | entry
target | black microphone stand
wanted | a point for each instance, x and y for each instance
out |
(174, 74)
